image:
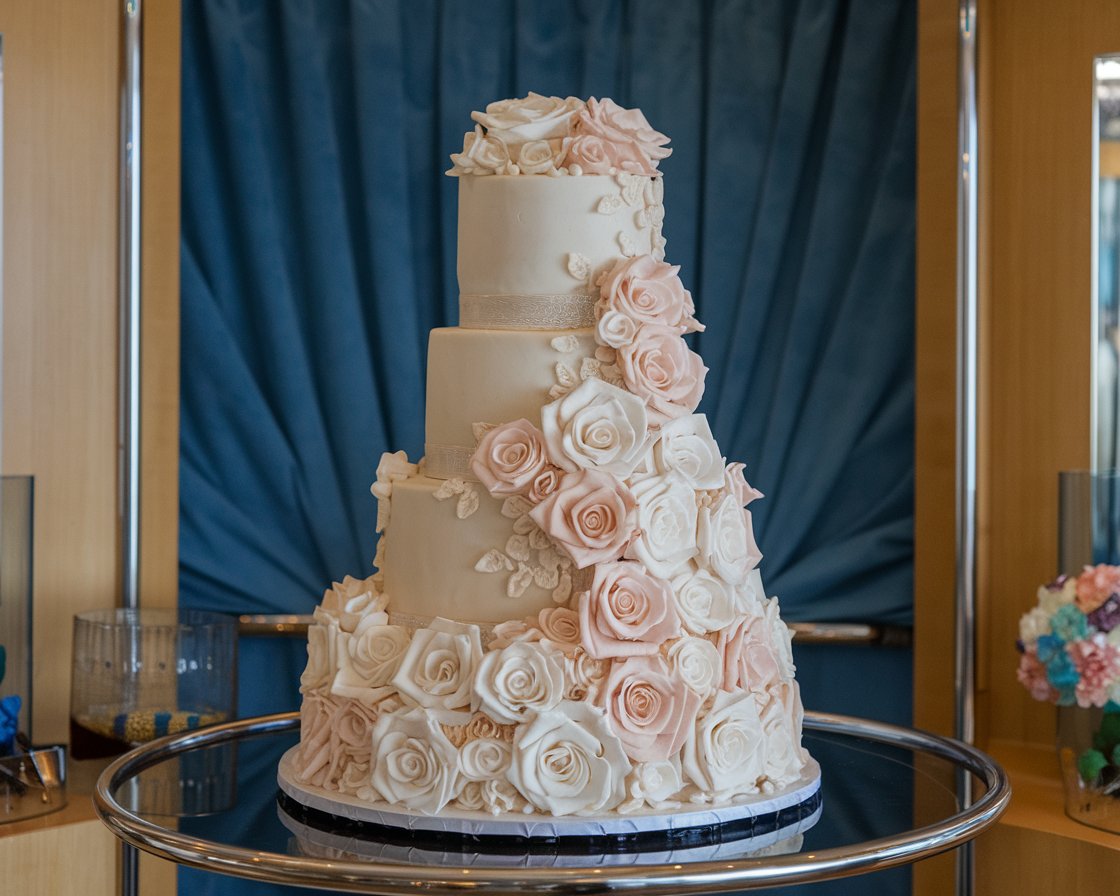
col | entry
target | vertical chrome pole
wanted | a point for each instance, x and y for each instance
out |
(129, 302)
(967, 417)
(129, 447)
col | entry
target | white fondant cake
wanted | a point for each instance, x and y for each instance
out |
(568, 618)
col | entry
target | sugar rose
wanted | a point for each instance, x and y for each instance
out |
(567, 761)
(628, 130)
(352, 599)
(648, 291)
(705, 603)
(482, 154)
(726, 753)
(590, 517)
(666, 523)
(509, 458)
(530, 119)
(648, 709)
(594, 155)
(437, 670)
(687, 447)
(523, 677)
(697, 663)
(368, 660)
(750, 661)
(413, 763)
(726, 539)
(627, 612)
(736, 484)
(660, 368)
(596, 426)
(322, 657)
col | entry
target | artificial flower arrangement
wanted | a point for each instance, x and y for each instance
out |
(1070, 655)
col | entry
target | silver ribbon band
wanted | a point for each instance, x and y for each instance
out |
(566, 311)
(448, 462)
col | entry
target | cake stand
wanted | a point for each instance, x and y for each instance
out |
(889, 798)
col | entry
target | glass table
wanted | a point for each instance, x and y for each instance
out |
(208, 799)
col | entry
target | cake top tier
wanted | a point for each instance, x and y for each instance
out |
(547, 135)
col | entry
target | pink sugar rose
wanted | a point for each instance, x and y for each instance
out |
(749, 659)
(643, 147)
(594, 155)
(649, 708)
(1032, 676)
(560, 627)
(545, 483)
(649, 291)
(590, 517)
(1096, 585)
(510, 457)
(627, 612)
(1098, 666)
(659, 368)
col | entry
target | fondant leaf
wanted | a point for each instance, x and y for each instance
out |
(493, 561)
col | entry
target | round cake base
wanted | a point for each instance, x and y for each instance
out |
(753, 823)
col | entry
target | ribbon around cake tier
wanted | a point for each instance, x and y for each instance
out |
(565, 311)
(448, 462)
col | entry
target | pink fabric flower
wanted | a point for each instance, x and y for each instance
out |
(627, 129)
(590, 517)
(1032, 676)
(749, 659)
(1098, 664)
(627, 612)
(736, 484)
(649, 709)
(1096, 585)
(659, 368)
(510, 457)
(649, 291)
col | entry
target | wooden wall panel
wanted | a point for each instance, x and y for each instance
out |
(61, 63)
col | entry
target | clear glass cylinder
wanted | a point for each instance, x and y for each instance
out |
(1089, 754)
(138, 674)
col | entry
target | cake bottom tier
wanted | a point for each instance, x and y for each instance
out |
(751, 822)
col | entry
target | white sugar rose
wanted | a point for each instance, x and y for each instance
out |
(413, 763)
(391, 468)
(534, 118)
(781, 724)
(368, 660)
(725, 755)
(485, 759)
(698, 664)
(586, 675)
(314, 754)
(688, 447)
(616, 329)
(781, 639)
(705, 603)
(482, 154)
(523, 677)
(496, 796)
(437, 670)
(322, 657)
(596, 426)
(567, 761)
(350, 600)
(537, 157)
(654, 784)
(726, 540)
(666, 520)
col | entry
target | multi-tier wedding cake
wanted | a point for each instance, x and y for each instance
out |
(567, 621)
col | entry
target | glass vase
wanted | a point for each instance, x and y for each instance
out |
(1089, 755)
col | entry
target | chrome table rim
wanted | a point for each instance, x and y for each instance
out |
(695, 877)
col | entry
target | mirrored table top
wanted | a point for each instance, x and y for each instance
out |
(209, 799)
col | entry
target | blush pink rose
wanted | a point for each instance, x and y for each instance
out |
(1096, 585)
(594, 155)
(560, 627)
(544, 484)
(659, 368)
(627, 129)
(648, 708)
(649, 292)
(510, 457)
(737, 486)
(590, 517)
(627, 612)
(749, 659)
(1032, 676)
(1098, 667)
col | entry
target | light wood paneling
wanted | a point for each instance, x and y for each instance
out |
(62, 860)
(60, 314)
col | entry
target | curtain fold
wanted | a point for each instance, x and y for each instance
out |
(318, 250)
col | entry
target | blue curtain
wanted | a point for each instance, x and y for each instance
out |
(318, 250)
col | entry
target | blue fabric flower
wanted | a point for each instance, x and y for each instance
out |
(1049, 645)
(9, 722)
(1063, 675)
(1069, 623)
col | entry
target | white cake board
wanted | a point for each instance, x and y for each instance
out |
(799, 795)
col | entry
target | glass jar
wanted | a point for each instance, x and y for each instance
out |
(1089, 755)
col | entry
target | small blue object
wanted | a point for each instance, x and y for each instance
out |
(9, 722)
(120, 726)
(162, 722)
(193, 721)
(1069, 623)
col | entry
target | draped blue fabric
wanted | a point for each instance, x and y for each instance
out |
(318, 250)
